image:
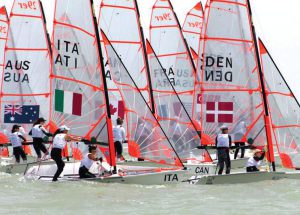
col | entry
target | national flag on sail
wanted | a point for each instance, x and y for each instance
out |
(117, 108)
(23, 114)
(68, 102)
(221, 112)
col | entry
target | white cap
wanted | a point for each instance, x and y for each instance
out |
(223, 127)
(64, 128)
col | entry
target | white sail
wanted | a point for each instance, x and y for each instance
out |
(284, 111)
(192, 27)
(25, 82)
(229, 71)
(168, 43)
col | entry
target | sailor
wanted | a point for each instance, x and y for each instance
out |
(59, 142)
(223, 144)
(119, 137)
(16, 139)
(254, 162)
(238, 135)
(38, 132)
(87, 163)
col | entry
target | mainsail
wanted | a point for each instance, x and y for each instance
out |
(79, 99)
(25, 83)
(172, 115)
(3, 38)
(231, 91)
(146, 138)
(192, 27)
(168, 43)
(284, 111)
(119, 19)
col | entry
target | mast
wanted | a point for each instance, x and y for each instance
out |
(108, 119)
(264, 96)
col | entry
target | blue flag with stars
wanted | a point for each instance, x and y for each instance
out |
(23, 114)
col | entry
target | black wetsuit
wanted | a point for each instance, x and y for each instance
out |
(239, 146)
(56, 156)
(118, 149)
(84, 173)
(18, 151)
(38, 144)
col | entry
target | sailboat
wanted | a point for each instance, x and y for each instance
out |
(234, 50)
(150, 79)
(79, 92)
(284, 111)
(25, 83)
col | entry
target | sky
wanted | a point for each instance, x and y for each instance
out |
(277, 23)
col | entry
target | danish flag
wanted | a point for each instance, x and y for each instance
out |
(221, 112)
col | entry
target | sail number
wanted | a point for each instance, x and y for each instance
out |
(195, 24)
(171, 177)
(28, 5)
(164, 17)
(3, 30)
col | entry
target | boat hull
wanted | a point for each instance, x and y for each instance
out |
(128, 175)
(239, 178)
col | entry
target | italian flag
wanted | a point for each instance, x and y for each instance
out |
(68, 102)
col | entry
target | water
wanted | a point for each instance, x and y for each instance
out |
(20, 196)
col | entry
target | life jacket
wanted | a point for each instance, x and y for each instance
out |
(59, 141)
(223, 140)
(86, 162)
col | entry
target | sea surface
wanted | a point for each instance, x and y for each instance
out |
(21, 196)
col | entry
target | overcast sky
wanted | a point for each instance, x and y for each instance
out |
(277, 22)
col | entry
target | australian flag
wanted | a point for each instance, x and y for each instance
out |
(23, 114)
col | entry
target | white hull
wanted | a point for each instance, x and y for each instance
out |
(129, 174)
(239, 178)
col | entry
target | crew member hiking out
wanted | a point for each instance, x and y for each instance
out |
(59, 142)
(16, 139)
(254, 162)
(223, 144)
(87, 163)
(38, 132)
(119, 138)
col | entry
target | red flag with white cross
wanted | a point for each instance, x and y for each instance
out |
(219, 112)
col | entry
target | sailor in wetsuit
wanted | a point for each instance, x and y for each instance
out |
(38, 132)
(223, 144)
(119, 138)
(16, 139)
(254, 162)
(87, 162)
(59, 142)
